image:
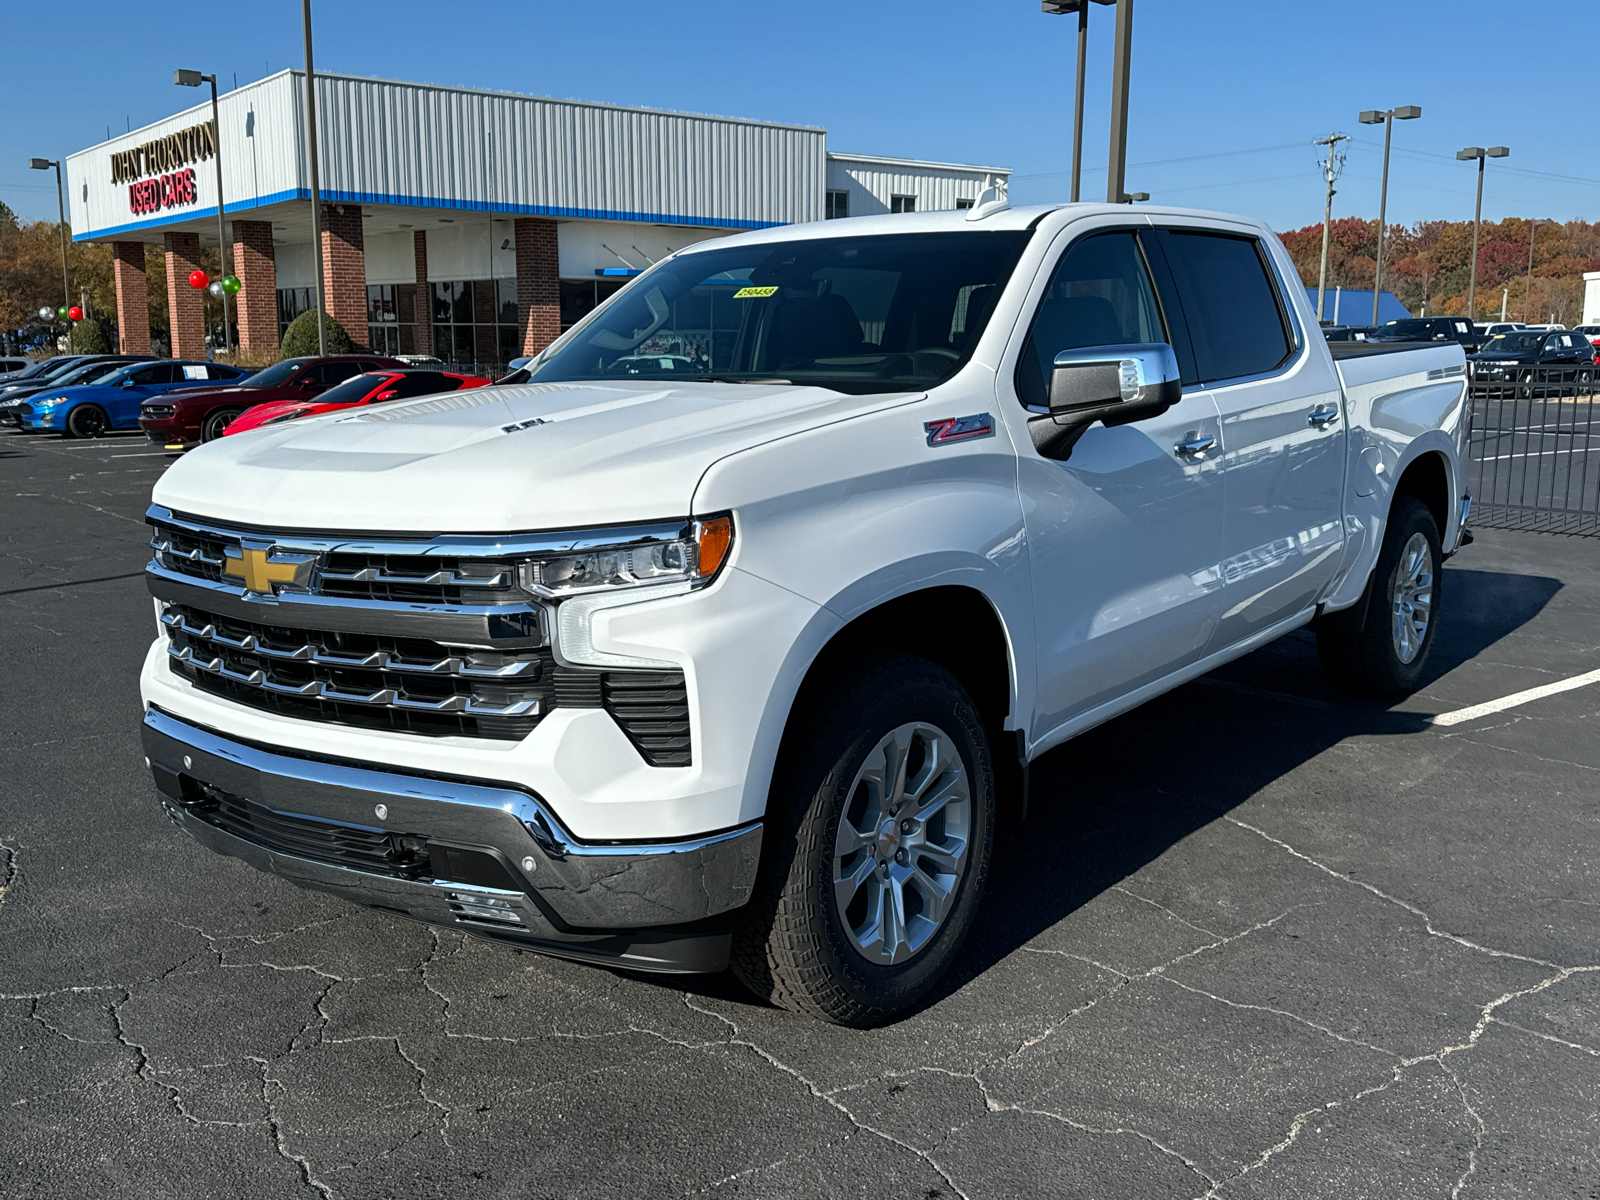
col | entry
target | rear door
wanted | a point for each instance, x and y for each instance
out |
(1281, 408)
(142, 384)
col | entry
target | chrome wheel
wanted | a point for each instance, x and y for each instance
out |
(901, 848)
(1413, 598)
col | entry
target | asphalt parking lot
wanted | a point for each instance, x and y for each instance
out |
(1256, 940)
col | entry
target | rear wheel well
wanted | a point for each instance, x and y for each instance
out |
(1428, 480)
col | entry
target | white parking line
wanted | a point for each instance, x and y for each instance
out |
(1515, 699)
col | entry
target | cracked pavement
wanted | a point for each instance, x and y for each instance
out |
(1256, 940)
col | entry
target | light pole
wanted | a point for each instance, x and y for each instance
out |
(311, 158)
(1386, 118)
(1527, 292)
(1333, 168)
(1062, 8)
(1121, 64)
(195, 79)
(1467, 155)
(44, 164)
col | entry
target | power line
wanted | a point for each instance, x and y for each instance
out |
(1163, 162)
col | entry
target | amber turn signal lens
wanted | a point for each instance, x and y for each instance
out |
(714, 537)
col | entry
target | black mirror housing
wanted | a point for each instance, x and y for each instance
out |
(1111, 384)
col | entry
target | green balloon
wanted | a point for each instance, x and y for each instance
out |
(231, 284)
(61, 313)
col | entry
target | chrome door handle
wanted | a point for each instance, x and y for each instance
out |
(1194, 446)
(1323, 415)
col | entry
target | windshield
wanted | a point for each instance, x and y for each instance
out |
(1514, 342)
(275, 374)
(88, 373)
(883, 313)
(43, 367)
(351, 390)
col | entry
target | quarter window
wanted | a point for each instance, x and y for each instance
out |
(1100, 295)
(1229, 303)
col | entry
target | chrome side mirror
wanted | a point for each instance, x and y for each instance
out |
(1110, 384)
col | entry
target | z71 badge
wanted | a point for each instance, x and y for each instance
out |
(959, 429)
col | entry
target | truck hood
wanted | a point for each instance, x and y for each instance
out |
(497, 459)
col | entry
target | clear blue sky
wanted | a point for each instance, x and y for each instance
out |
(1226, 95)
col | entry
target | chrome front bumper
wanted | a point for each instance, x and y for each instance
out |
(646, 907)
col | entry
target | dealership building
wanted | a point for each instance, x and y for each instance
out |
(467, 224)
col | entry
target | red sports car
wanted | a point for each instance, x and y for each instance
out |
(371, 388)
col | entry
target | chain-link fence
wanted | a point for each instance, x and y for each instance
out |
(1535, 448)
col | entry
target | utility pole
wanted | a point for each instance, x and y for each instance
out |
(316, 190)
(1121, 64)
(1527, 292)
(1332, 168)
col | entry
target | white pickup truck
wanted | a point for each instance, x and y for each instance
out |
(722, 640)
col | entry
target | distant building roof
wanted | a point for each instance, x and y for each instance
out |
(1353, 306)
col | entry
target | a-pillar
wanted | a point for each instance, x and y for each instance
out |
(423, 294)
(538, 283)
(186, 311)
(344, 269)
(133, 298)
(257, 268)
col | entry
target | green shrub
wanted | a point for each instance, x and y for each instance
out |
(88, 338)
(300, 339)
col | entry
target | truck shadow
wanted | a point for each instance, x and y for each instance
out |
(1116, 798)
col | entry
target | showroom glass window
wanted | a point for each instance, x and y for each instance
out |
(392, 318)
(475, 321)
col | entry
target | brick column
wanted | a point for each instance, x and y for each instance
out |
(424, 293)
(256, 265)
(133, 300)
(538, 283)
(344, 269)
(186, 313)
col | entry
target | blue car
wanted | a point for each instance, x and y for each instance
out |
(113, 402)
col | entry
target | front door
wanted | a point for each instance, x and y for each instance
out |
(1125, 535)
(1283, 431)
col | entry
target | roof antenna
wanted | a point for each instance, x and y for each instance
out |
(991, 200)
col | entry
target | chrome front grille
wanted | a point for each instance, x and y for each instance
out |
(408, 684)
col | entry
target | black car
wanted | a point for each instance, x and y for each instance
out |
(1505, 353)
(1430, 329)
(1347, 333)
(71, 371)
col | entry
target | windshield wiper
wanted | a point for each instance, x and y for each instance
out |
(739, 379)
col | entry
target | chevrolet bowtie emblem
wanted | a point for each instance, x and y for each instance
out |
(262, 569)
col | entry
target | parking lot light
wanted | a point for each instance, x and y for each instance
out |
(44, 164)
(1063, 8)
(1527, 292)
(1470, 154)
(1386, 118)
(184, 78)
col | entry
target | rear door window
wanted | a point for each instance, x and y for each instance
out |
(1100, 295)
(1235, 321)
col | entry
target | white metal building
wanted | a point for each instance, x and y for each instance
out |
(467, 223)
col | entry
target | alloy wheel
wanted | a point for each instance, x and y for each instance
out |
(901, 850)
(1413, 598)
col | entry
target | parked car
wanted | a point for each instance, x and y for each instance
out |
(1429, 329)
(1347, 333)
(113, 402)
(184, 421)
(737, 667)
(1488, 329)
(9, 367)
(1514, 355)
(91, 369)
(375, 387)
(1592, 332)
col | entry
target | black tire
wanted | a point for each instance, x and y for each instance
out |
(216, 422)
(792, 944)
(1369, 660)
(87, 421)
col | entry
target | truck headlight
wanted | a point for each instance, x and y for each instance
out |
(693, 558)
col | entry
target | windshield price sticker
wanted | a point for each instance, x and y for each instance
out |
(755, 293)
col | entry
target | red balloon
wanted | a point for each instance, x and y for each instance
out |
(75, 313)
(198, 280)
